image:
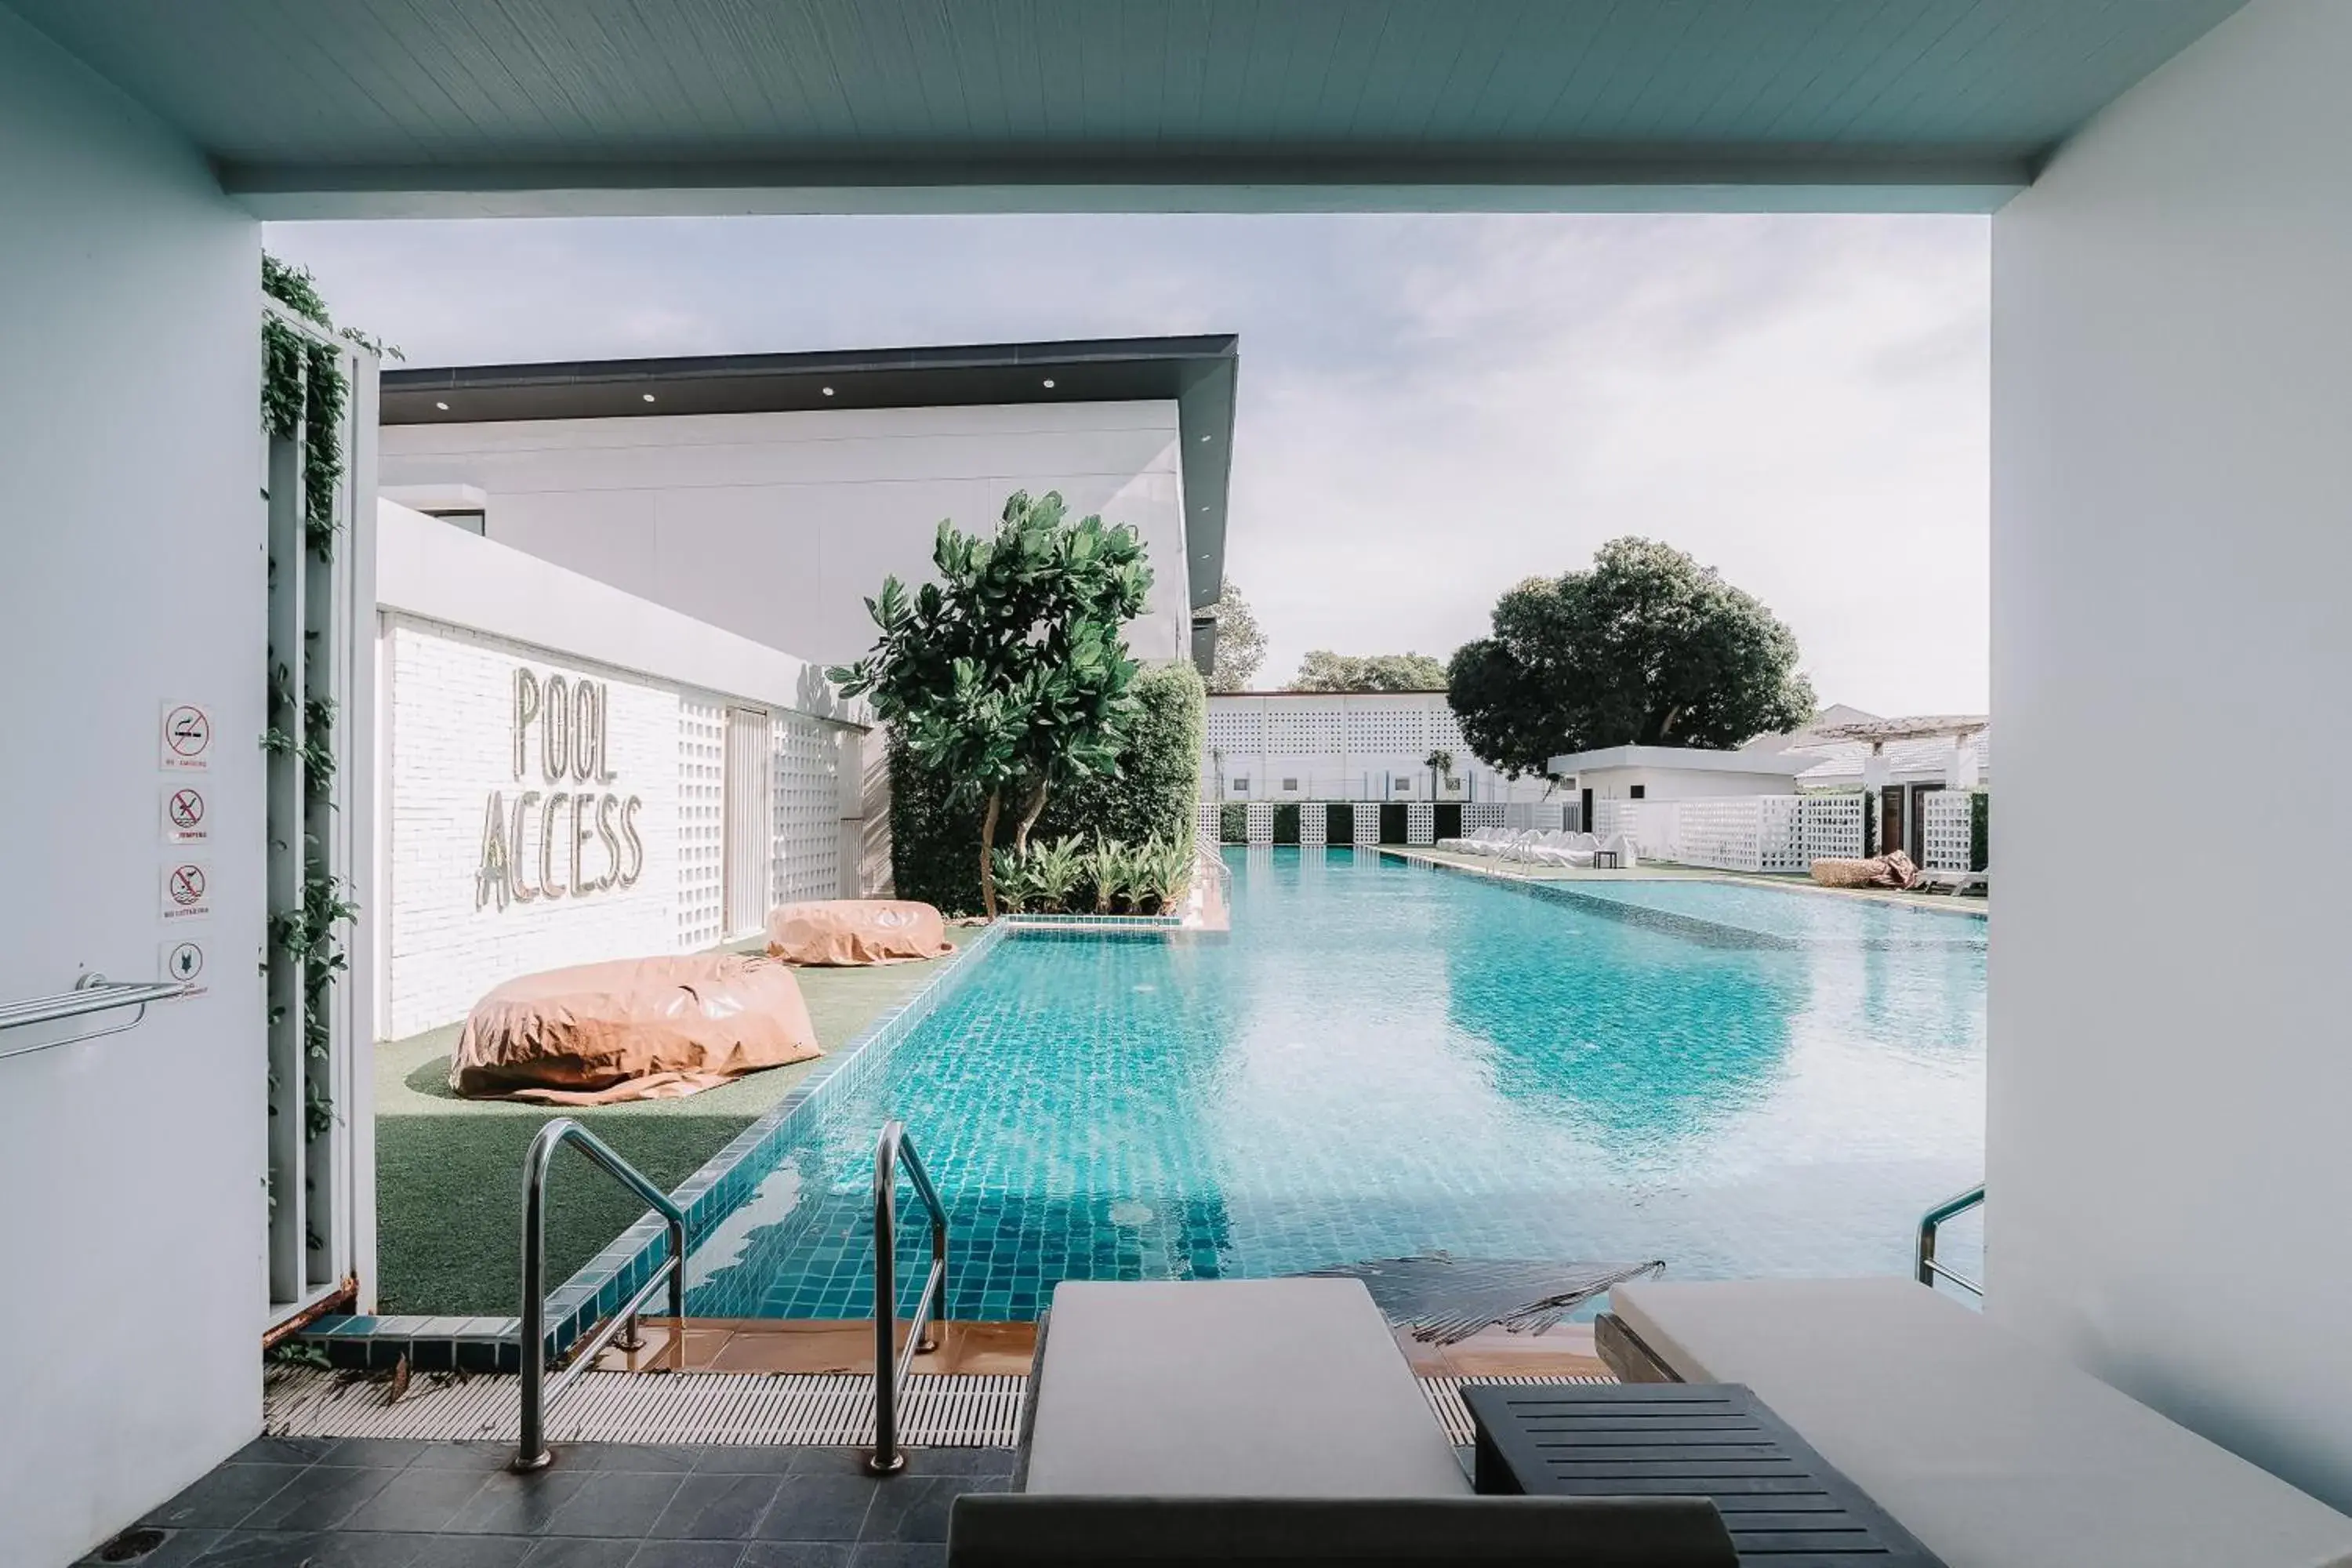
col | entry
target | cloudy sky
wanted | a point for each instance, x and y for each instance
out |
(1430, 408)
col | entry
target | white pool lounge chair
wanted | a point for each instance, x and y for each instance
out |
(1270, 1421)
(1568, 849)
(1993, 1452)
(1621, 845)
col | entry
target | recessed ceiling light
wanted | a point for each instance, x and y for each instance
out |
(827, 391)
(1204, 438)
(442, 406)
(649, 397)
(1049, 383)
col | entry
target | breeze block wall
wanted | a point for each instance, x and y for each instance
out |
(451, 743)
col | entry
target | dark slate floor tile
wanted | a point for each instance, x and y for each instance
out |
(689, 1555)
(509, 1504)
(223, 1498)
(960, 1461)
(480, 1457)
(375, 1453)
(283, 1450)
(796, 1554)
(718, 1507)
(415, 1499)
(474, 1551)
(311, 1549)
(647, 1457)
(580, 1551)
(319, 1497)
(900, 1555)
(178, 1549)
(829, 1462)
(745, 1459)
(818, 1508)
(621, 1504)
(916, 1508)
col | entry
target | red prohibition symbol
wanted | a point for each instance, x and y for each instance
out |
(187, 809)
(188, 885)
(187, 731)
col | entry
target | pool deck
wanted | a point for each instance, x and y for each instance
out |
(779, 1347)
(1655, 871)
(448, 1170)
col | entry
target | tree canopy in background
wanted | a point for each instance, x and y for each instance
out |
(1323, 670)
(1240, 646)
(1011, 671)
(1648, 647)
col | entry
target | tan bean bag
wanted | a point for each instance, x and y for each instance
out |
(644, 1028)
(1894, 870)
(856, 931)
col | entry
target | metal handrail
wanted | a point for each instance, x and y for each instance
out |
(90, 994)
(1925, 1267)
(531, 1451)
(889, 1367)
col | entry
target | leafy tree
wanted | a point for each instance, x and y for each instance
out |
(1323, 670)
(1648, 649)
(1240, 646)
(1010, 674)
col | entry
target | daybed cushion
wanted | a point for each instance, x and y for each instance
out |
(1017, 1531)
(1227, 1388)
(1995, 1453)
(645, 1028)
(1894, 870)
(857, 931)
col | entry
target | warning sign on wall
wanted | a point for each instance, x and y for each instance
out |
(187, 738)
(187, 814)
(187, 890)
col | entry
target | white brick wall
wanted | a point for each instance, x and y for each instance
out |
(804, 861)
(702, 822)
(450, 743)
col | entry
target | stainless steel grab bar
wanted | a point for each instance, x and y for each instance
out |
(90, 994)
(889, 1367)
(1924, 1264)
(531, 1451)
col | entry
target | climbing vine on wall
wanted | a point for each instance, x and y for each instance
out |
(304, 396)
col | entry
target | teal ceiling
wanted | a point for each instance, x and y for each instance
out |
(371, 104)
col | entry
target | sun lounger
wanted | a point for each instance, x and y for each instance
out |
(1993, 1452)
(1270, 1420)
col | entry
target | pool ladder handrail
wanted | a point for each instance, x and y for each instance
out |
(1925, 1266)
(890, 1369)
(531, 1452)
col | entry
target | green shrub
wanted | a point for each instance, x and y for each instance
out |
(1233, 825)
(1286, 824)
(935, 843)
(1980, 830)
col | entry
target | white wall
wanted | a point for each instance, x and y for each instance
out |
(462, 615)
(1679, 783)
(131, 1313)
(2170, 1064)
(779, 526)
(1344, 746)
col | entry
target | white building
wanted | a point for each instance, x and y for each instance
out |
(1346, 745)
(568, 774)
(771, 494)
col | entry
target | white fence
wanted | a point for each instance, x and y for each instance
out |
(1743, 832)
(1946, 830)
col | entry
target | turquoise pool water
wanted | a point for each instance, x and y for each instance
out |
(1384, 1059)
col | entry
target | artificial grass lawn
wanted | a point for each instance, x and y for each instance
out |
(448, 1181)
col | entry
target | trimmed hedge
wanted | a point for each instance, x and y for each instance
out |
(935, 846)
(1233, 825)
(1980, 830)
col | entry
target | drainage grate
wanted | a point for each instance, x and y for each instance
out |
(718, 1408)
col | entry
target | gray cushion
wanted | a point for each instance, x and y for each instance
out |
(1290, 1388)
(1993, 1452)
(1018, 1531)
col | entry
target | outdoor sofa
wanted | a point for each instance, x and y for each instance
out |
(1271, 1422)
(1992, 1452)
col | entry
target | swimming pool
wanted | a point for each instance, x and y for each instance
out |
(1385, 1058)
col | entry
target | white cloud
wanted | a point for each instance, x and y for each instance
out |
(1431, 409)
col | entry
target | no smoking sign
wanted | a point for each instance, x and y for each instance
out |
(187, 738)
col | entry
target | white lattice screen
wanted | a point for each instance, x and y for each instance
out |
(1829, 827)
(1204, 822)
(1236, 732)
(701, 804)
(1481, 814)
(1261, 822)
(1780, 845)
(1723, 834)
(804, 859)
(1312, 821)
(1421, 822)
(1521, 815)
(1399, 730)
(1946, 829)
(1367, 823)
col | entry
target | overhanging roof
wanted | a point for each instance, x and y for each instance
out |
(361, 108)
(1198, 372)
(1690, 759)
